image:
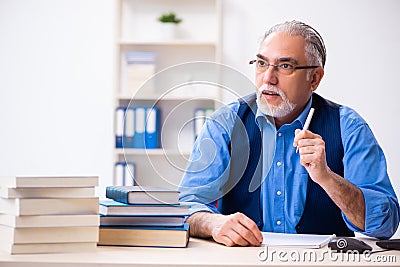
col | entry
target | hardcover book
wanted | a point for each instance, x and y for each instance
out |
(49, 181)
(48, 234)
(49, 220)
(111, 207)
(49, 192)
(142, 195)
(49, 206)
(159, 220)
(145, 236)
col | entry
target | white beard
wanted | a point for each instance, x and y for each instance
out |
(284, 108)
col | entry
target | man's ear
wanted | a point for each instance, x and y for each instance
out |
(316, 77)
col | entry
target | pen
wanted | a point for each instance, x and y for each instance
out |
(307, 123)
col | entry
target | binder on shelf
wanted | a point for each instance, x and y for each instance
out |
(139, 124)
(152, 131)
(129, 174)
(119, 169)
(119, 126)
(129, 131)
(124, 173)
(199, 119)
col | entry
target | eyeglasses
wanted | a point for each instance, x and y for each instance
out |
(283, 68)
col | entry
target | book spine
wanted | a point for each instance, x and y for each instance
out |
(117, 194)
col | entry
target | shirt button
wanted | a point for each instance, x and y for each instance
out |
(278, 193)
(279, 163)
(279, 134)
(278, 222)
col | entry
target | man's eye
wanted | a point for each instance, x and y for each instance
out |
(261, 63)
(286, 66)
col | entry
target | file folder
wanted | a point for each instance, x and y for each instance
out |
(119, 169)
(119, 126)
(199, 119)
(129, 174)
(129, 128)
(152, 128)
(140, 120)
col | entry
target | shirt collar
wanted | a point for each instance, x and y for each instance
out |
(262, 118)
(303, 115)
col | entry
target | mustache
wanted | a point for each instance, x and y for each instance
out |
(271, 88)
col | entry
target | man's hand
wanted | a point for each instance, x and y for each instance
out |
(312, 154)
(230, 230)
(344, 194)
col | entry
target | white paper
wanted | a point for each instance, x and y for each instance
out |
(295, 240)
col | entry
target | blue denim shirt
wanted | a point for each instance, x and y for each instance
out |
(284, 183)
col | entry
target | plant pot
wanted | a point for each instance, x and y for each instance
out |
(169, 31)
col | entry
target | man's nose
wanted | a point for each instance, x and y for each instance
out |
(270, 75)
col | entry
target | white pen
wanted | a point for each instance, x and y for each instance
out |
(307, 123)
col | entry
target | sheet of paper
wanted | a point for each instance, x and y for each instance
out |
(295, 240)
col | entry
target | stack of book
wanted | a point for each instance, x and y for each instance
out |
(142, 216)
(48, 214)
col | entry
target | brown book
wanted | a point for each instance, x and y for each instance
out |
(144, 236)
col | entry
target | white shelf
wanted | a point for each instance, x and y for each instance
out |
(167, 43)
(151, 152)
(176, 92)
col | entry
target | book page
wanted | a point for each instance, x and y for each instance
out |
(295, 240)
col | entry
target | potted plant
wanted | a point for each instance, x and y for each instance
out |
(169, 18)
(169, 23)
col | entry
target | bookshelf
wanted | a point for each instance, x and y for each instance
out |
(181, 61)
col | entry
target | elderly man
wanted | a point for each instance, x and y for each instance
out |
(329, 179)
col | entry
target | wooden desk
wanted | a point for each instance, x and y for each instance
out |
(198, 253)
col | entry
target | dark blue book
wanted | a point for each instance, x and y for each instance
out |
(111, 207)
(144, 236)
(142, 195)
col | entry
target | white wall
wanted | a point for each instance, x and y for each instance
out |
(56, 74)
(56, 78)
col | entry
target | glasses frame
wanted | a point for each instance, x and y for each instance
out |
(277, 65)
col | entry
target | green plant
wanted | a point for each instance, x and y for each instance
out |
(169, 18)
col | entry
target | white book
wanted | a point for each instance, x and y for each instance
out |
(48, 247)
(49, 220)
(49, 181)
(48, 234)
(295, 240)
(50, 192)
(49, 206)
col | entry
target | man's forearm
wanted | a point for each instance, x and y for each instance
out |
(347, 197)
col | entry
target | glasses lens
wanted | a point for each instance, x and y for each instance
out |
(285, 68)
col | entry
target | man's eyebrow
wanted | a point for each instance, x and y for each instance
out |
(262, 57)
(282, 59)
(287, 59)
